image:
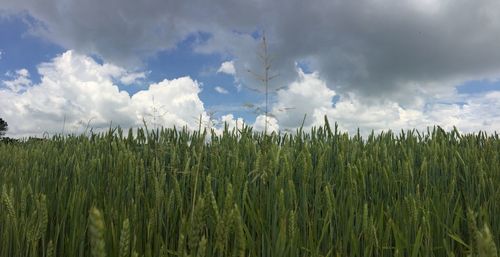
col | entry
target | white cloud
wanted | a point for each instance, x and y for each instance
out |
(230, 121)
(176, 103)
(309, 94)
(479, 112)
(19, 81)
(227, 68)
(1, 54)
(260, 124)
(131, 78)
(221, 90)
(75, 90)
(305, 96)
(23, 72)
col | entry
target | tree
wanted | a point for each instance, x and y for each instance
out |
(3, 127)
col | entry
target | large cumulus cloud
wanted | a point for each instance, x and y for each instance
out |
(76, 93)
(310, 95)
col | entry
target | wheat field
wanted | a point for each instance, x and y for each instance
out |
(172, 192)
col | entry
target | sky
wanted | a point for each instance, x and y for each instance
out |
(68, 66)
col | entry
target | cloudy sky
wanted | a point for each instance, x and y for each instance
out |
(68, 65)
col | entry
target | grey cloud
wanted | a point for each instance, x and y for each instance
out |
(119, 31)
(383, 48)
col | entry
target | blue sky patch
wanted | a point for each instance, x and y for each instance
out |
(20, 50)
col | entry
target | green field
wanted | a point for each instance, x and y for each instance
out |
(321, 193)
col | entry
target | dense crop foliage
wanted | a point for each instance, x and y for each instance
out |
(323, 193)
